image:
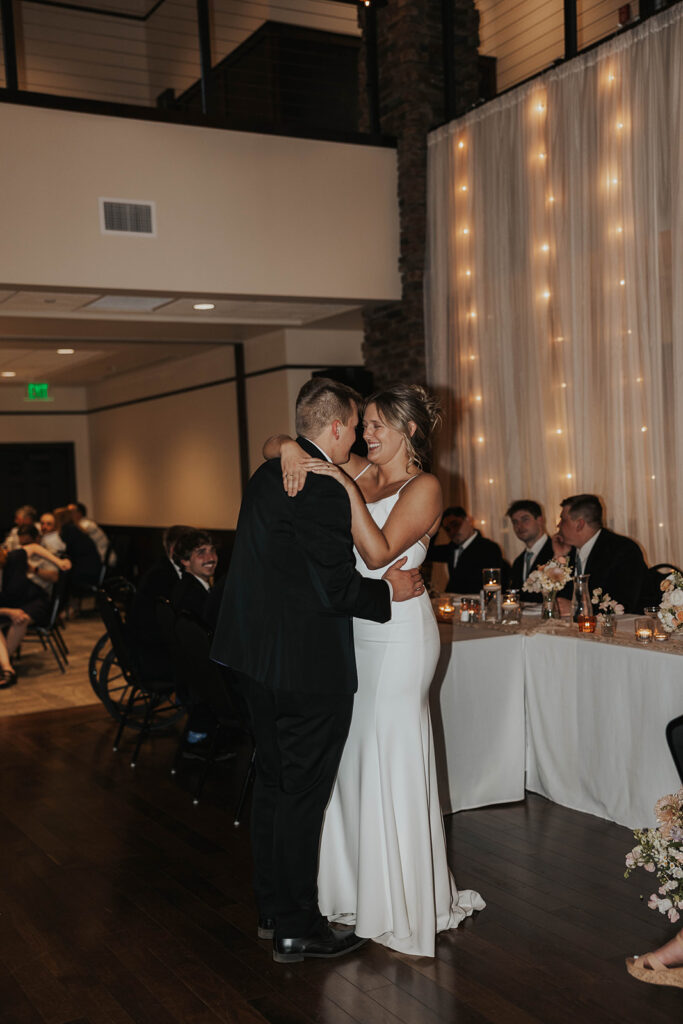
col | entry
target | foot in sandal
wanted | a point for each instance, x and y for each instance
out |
(663, 967)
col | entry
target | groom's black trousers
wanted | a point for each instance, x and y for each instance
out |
(299, 742)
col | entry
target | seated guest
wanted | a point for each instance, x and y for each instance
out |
(466, 554)
(81, 551)
(153, 656)
(8, 676)
(195, 553)
(528, 523)
(26, 515)
(23, 598)
(613, 562)
(49, 537)
(97, 535)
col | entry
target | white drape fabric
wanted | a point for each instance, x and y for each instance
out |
(554, 291)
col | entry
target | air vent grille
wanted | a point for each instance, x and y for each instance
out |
(122, 216)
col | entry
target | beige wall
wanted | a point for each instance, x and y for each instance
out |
(238, 213)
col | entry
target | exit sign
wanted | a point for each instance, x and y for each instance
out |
(37, 392)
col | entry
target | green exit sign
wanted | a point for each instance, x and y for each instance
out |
(37, 392)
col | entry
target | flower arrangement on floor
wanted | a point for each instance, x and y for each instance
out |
(671, 607)
(660, 851)
(605, 604)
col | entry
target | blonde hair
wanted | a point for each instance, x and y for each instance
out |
(403, 404)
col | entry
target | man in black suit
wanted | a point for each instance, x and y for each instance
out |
(285, 627)
(613, 562)
(466, 554)
(158, 581)
(528, 523)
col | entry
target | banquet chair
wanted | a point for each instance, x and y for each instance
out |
(50, 635)
(674, 737)
(212, 685)
(146, 700)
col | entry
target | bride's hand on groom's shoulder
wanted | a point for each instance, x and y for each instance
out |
(295, 465)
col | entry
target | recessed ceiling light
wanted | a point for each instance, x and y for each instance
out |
(65, 351)
(204, 305)
(8, 373)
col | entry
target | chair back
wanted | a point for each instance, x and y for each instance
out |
(58, 596)
(674, 737)
(121, 591)
(116, 629)
(206, 681)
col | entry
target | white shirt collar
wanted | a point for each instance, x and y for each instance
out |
(585, 549)
(469, 540)
(177, 568)
(202, 581)
(324, 454)
(537, 545)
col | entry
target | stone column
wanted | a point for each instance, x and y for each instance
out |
(411, 91)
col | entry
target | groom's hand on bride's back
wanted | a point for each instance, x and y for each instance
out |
(405, 583)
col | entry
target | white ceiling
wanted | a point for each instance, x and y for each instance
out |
(118, 332)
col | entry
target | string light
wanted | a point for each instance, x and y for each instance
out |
(472, 358)
(461, 145)
(653, 477)
(643, 430)
(620, 125)
(551, 199)
(545, 247)
(560, 337)
(563, 384)
(542, 156)
(619, 230)
(468, 273)
(639, 380)
(465, 231)
(480, 440)
(568, 476)
(546, 294)
(477, 398)
(463, 188)
(490, 479)
(622, 282)
(661, 524)
(472, 315)
(540, 108)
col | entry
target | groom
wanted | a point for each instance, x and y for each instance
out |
(285, 629)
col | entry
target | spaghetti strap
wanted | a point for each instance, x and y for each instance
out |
(362, 471)
(409, 480)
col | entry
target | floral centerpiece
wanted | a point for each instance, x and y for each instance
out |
(660, 851)
(671, 607)
(547, 580)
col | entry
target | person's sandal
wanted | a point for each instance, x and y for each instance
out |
(8, 677)
(649, 968)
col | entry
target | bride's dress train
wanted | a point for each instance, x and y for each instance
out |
(383, 861)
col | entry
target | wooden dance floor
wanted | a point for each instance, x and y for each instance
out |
(121, 902)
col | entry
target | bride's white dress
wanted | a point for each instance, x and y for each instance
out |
(383, 861)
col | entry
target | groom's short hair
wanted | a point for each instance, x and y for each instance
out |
(320, 402)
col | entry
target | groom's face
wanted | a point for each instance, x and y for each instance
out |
(344, 436)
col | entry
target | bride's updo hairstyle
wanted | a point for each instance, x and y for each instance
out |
(403, 404)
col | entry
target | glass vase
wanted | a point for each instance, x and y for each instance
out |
(549, 607)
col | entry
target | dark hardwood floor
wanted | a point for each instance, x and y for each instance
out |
(121, 902)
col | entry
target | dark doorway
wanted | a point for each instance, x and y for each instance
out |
(42, 475)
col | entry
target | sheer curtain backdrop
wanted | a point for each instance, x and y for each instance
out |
(554, 293)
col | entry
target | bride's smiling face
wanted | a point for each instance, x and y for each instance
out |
(383, 441)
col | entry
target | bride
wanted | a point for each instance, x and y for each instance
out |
(383, 864)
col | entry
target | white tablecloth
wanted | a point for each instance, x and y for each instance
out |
(477, 701)
(590, 715)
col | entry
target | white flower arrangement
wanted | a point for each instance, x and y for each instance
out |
(606, 605)
(549, 577)
(660, 851)
(671, 608)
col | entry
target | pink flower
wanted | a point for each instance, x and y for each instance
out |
(649, 866)
(673, 915)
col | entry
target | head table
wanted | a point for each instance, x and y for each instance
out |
(578, 718)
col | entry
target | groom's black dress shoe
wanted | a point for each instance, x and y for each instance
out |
(266, 928)
(328, 942)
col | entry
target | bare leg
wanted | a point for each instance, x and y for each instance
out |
(16, 633)
(671, 953)
(5, 663)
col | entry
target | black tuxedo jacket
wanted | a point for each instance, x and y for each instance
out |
(465, 578)
(292, 587)
(517, 570)
(153, 657)
(617, 565)
(188, 595)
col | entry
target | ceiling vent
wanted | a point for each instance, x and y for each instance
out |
(127, 217)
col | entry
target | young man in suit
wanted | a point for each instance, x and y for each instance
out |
(285, 628)
(613, 562)
(528, 523)
(466, 554)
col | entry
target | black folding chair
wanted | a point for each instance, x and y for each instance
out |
(142, 703)
(674, 737)
(50, 635)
